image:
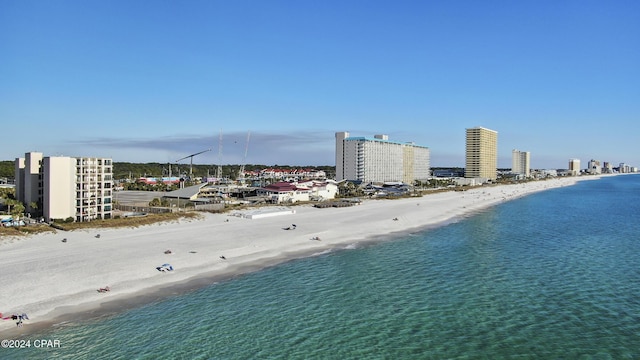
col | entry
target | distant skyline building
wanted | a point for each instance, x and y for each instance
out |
(379, 160)
(63, 187)
(521, 162)
(623, 168)
(481, 160)
(594, 167)
(574, 166)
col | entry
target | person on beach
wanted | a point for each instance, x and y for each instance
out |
(222, 257)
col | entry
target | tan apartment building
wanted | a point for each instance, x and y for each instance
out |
(574, 166)
(481, 160)
(63, 187)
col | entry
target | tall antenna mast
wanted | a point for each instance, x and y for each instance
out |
(219, 174)
(244, 159)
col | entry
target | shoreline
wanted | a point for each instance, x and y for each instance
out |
(55, 282)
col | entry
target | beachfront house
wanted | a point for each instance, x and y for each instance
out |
(321, 190)
(284, 192)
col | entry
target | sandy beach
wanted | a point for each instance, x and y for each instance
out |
(49, 279)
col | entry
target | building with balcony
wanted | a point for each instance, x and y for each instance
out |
(379, 160)
(574, 167)
(594, 167)
(521, 163)
(62, 187)
(481, 160)
(624, 168)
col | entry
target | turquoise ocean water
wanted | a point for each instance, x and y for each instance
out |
(554, 275)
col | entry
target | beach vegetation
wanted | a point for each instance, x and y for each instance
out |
(8, 231)
(349, 189)
(130, 222)
(7, 193)
(14, 207)
(35, 209)
(159, 202)
(434, 183)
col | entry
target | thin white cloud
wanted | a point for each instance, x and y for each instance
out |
(296, 148)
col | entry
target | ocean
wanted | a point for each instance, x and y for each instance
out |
(553, 275)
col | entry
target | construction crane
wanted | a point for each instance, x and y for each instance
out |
(191, 156)
(244, 160)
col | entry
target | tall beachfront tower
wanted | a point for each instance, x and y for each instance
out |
(65, 187)
(29, 179)
(574, 166)
(340, 136)
(594, 167)
(521, 162)
(379, 160)
(481, 154)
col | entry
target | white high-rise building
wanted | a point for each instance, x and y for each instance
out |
(624, 168)
(64, 187)
(593, 167)
(521, 163)
(379, 160)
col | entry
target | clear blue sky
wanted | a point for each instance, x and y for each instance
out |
(154, 81)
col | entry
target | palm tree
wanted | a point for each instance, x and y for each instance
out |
(18, 208)
(10, 202)
(33, 206)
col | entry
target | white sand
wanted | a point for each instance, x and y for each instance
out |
(44, 277)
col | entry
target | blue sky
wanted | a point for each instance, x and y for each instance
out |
(154, 81)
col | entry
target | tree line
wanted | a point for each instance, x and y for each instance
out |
(126, 170)
(123, 170)
(7, 169)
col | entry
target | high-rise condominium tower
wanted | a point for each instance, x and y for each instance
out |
(521, 163)
(379, 160)
(574, 166)
(481, 154)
